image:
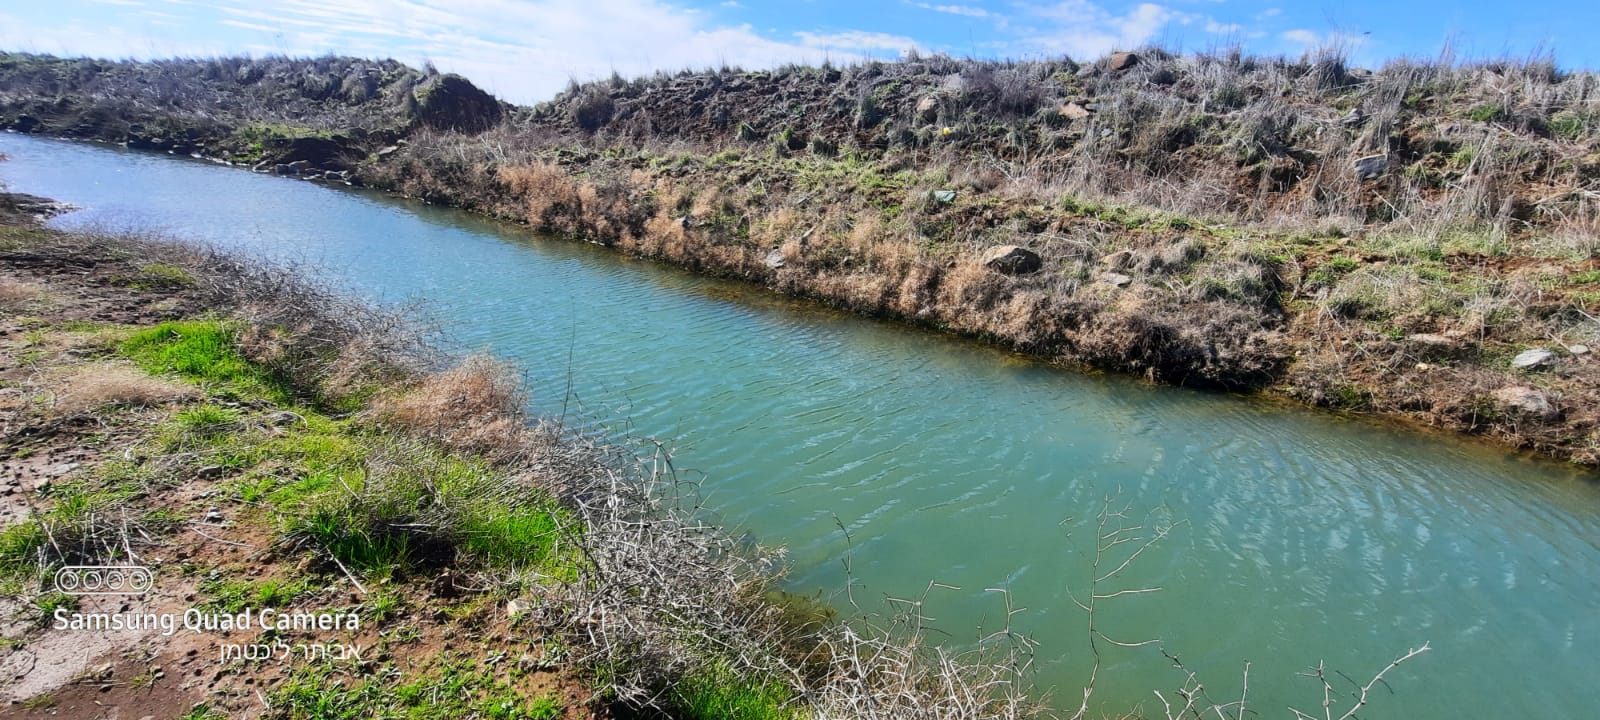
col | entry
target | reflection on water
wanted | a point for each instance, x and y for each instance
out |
(1303, 536)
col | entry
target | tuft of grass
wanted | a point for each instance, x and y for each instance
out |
(204, 712)
(452, 689)
(232, 596)
(412, 505)
(1487, 113)
(156, 277)
(721, 693)
(206, 352)
(20, 545)
(100, 385)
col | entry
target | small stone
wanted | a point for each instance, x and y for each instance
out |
(774, 259)
(1371, 167)
(1073, 111)
(944, 196)
(214, 515)
(1119, 61)
(1117, 260)
(1429, 339)
(1354, 118)
(1116, 279)
(1011, 260)
(1578, 349)
(388, 150)
(515, 608)
(1533, 359)
(1525, 401)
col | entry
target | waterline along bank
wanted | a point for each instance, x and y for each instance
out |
(1340, 540)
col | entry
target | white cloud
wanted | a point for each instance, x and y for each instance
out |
(1310, 40)
(1216, 28)
(859, 40)
(523, 50)
(1084, 29)
(1304, 37)
(964, 10)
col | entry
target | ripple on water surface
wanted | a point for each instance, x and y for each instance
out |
(1303, 536)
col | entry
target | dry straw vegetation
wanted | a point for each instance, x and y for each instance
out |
(1198, 219)
(506, 568)
(427, 496)
(1377, 240)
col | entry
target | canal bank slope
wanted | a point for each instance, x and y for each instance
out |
(269, 450)
(1417, 242)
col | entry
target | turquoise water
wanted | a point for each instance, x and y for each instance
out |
(1302, 536)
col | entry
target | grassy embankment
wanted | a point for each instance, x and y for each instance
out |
(260, 443)
(1199, 220)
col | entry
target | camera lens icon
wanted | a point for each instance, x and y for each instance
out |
(104, 580)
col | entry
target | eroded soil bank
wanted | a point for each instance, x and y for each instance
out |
(1417, 241)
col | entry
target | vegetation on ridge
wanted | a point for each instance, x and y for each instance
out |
(1378, 241)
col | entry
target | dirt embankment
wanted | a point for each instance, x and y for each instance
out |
(1385, 241)
(335, 527)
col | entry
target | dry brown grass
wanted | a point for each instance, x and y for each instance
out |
(99, 385)
(17, 293)
(478, 406)
(553, 198)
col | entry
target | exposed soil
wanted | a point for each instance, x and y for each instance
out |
(52, 322)
(1374, 241)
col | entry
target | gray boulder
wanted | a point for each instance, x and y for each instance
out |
(1011, 260)
(1371, 167)
(1116, 279)
(1073, 111)
(1533, 359)
(774, 259)
(1525, 401)
(1119, 61)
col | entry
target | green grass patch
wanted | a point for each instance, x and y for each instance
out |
(156, 276)
(720, 693)
(205, 352)
(1487, 113)
(1586, 278)
(20, 545)
(233, 596)
(405, 505)
(461, 688)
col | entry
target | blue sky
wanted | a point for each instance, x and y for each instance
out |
(525, 50)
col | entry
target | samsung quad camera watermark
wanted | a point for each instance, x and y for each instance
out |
(104, 580)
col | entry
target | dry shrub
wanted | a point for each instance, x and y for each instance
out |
(970, 286)
(16, 293)
(918, 290)
(478, 406)
(91, 387)
(777, 229)
(667, 237)
(553, 200)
